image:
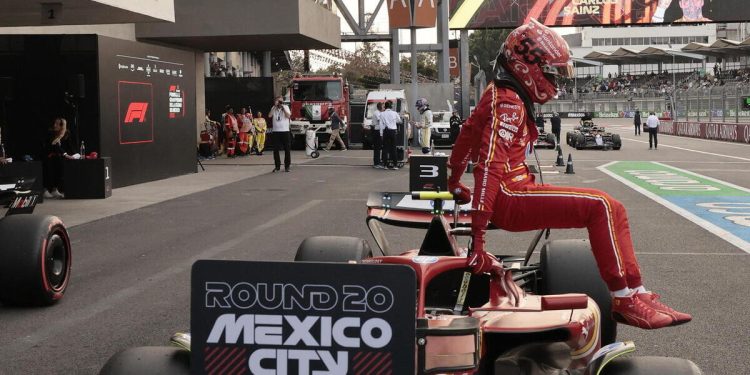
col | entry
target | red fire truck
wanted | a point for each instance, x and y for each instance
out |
(310, 97)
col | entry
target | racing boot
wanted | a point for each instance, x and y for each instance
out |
(652, 300)
(631, 310)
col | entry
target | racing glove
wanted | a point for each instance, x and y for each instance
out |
(479, 260)
(462, 194)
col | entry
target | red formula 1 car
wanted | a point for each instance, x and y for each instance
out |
(35, 252)
(548, 318)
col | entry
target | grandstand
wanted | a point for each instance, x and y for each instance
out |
(697, 70)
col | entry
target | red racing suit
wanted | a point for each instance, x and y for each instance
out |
(497, 137)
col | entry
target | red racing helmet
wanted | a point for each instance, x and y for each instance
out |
(537, 57)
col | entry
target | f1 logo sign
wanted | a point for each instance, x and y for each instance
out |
(428, 171)
(136, 111)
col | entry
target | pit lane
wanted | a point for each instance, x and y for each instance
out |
(132, 252)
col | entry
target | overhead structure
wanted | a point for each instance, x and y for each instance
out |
(84, 12)
(241, 25)
(650, 55)
(720, 48)
(401, 14)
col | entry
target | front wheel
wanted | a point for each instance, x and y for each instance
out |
(580, 142)
(335, 249)
(35, 260)
(568, 266)
(148, 360)
(616, 142)
(650, 366)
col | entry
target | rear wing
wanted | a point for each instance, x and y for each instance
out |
(399, 209)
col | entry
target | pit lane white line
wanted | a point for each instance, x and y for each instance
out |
(705, 224)
(691, 150)
(153, 281)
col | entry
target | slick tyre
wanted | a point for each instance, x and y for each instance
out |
(580, 142)
(148, 360)
(568, 138)
(650, 366)
(35, 260)
(332, 249)
(568, 266)
(616, 142)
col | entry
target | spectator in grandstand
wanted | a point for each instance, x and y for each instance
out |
(652, 122)
(637, 121)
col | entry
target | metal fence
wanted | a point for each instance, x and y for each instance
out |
(712, 104)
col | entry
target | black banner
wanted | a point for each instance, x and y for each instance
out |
(302, 318)
(428, 173)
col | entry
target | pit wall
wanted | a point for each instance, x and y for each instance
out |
(729, 132)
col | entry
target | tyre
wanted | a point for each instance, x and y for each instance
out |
(568, 138)
(35, 260)
(580, 142)
(147, 360)
(616, 142)
(314, 154)
(568, 266)
(650, 366)
(332, 249)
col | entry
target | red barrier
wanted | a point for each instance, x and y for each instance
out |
(708, 130)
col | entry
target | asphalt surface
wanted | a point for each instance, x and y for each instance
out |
(130, 281)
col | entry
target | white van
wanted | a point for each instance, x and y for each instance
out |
(398, 97)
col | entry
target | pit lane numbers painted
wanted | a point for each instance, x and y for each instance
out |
(718, 206)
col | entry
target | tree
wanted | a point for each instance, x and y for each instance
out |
(366, 66)
(282, 79)
(426, 65)
(484, 44)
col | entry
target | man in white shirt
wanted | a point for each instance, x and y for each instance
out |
(376, 132)
(280, 116)
(388, 121)
(652, 122)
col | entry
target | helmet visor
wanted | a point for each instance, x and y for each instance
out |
(557, 73)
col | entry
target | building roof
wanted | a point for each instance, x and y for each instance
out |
(649, 55)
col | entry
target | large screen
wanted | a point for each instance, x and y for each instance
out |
(480, 14)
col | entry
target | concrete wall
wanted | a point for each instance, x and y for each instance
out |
(120, 31)
(84, 12)
(241, 25)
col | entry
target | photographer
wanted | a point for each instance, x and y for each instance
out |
(280, 116)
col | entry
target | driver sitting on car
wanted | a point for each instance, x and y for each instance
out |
(499, 135)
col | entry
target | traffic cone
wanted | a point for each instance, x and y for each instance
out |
(569, 168)
(560, 161)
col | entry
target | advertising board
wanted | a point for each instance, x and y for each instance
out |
(479, 14)
(306, 318)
